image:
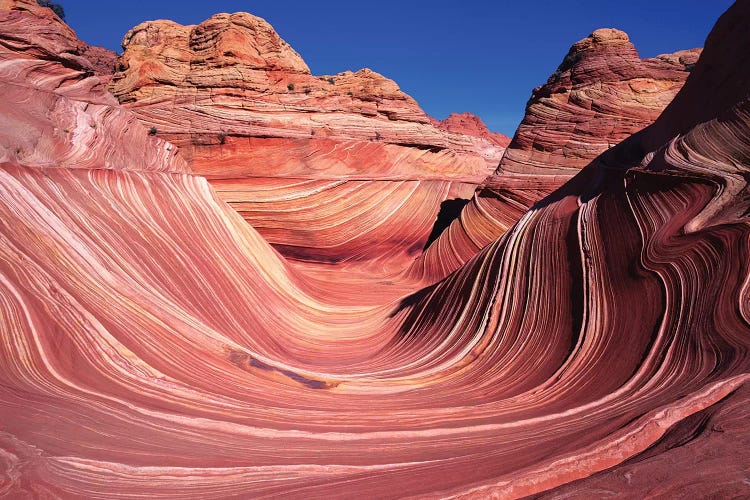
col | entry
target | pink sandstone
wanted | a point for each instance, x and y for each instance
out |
(600, 94)
(292, 151)
(153, 344)
(468, 124)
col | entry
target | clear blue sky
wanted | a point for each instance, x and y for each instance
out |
(479, 56)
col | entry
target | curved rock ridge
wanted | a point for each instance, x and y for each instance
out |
(153, 344)
(696, 448)
(600, 94)
(378, 226)
(55, 111)
(245, 112)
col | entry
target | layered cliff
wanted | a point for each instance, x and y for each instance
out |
(600, 94)
(291, 151)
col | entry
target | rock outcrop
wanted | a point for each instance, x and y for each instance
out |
(56, 41)
(600, 94)
(152, 344)
(468, 124)
(275, 140)
(56, 110)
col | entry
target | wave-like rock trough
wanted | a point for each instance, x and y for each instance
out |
(156, 344)
(292, 152)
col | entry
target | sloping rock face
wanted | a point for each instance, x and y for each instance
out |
(57, 41)
(154, 345)
(290, 151)
(695, 449)
(65, 118)
(600, 94)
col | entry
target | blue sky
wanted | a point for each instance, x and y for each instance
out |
(479, 56)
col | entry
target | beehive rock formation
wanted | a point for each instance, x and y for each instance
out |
(601, 93)
(291, 151)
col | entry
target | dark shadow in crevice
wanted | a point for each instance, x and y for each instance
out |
(450, 210)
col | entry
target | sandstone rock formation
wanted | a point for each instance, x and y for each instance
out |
(66, 118)
(57, 41)
(468, 124)
(695, 450)
(600, 94)
(152, 344)
(291, 151)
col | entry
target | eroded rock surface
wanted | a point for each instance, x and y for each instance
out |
(153, 344)
(275, 140)
(600, 94)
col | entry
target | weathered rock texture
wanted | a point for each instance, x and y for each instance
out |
(695, 450)
(57, 41)
(468, 124)
(291, 151)
(54, 111)
(152, 344)
(601, 93)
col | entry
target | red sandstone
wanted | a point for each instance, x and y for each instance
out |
(153, 344)
(291, 151)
